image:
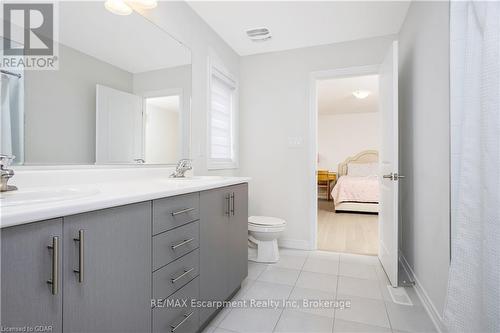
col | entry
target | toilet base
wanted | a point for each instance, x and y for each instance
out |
(266, 251)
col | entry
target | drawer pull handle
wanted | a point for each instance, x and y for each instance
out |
(54, 281)
(184, 242)
(182, 211)
(186, 272)
(81, 260)
(186, 317)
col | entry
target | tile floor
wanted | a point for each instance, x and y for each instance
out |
(321, 276)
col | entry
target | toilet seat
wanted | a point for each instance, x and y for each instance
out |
(266, 221)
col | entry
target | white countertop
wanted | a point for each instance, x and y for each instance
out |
(102, 195)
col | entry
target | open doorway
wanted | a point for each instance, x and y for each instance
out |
(162, 129)
(348, 144)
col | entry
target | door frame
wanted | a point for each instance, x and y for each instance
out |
(312, 163)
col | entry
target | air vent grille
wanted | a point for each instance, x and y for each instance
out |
(259, 34)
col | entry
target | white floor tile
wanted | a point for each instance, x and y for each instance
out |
(321, 265)
(359, 287)
(255, 269)
(265, 290)
(296, 321)
(291, 261)
(409, 318)
(363, 310)
(301, 294)
(251, 320)
(343, 326)
(357, 270)
(359, 259)
(318, 281)
(325, 255)
(219, 318)
(221, 330)
(293, 252)
(279, 275)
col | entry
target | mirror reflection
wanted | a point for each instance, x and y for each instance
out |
(120, 95)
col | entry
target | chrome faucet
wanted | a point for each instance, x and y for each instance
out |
(182, 166)
(6, 174)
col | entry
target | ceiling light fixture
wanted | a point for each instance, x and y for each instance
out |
(118, 7)
(145, 4)
(259, 34)
(361, 94)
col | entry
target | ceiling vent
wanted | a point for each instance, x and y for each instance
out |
(259, 34)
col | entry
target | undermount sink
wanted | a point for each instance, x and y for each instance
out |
(37, 196)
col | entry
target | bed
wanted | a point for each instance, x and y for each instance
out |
(357, 187)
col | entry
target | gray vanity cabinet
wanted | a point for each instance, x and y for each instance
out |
(111, 251)
(27, 264)
(223, 243)
(238, 236)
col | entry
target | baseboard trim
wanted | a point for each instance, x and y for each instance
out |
(434, 314)
(298, 244)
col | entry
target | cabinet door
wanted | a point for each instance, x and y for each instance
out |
(115, 293)
(27, 264)
(237, 237)
(214, 220)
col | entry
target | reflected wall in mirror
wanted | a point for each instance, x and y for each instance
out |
(121, 95)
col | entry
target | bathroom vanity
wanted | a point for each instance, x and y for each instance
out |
(123, 268)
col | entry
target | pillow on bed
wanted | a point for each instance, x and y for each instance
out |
(362, 169)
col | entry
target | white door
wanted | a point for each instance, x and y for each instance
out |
(389, 177)
(119, 127)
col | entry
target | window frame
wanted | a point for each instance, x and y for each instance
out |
(214, 163)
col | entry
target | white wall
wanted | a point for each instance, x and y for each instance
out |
(425, 145)
(346, 134)
(183, 23)
(60, 108)
(274, 106)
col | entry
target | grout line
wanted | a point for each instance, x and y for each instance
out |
(291, 291)
(336, 294)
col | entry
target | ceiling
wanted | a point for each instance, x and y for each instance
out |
(129, 42)
(335, 95)
(295, 24)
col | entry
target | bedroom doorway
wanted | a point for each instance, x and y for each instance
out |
(360, 165)
(348, 141)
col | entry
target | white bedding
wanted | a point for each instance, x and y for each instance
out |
(356, 189)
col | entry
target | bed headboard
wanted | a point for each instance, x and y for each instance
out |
(366, 156)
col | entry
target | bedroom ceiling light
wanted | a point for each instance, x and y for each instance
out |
(361, 94)
(118, 7)
(259, 34)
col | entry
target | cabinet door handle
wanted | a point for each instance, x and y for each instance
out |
(186, 317)
(81, 253)
(186, 272)
(54, 281)
(182, 211)
(184, 242)
(227, 204)
(232, 203)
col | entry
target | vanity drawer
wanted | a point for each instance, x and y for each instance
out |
(183, 319)
(173, 244)
(173, 212)
(170, 278)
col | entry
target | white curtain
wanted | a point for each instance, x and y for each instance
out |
(12, 115)
(5, 122)
(473, 299)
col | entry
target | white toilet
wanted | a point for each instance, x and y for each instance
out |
(263, 233)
